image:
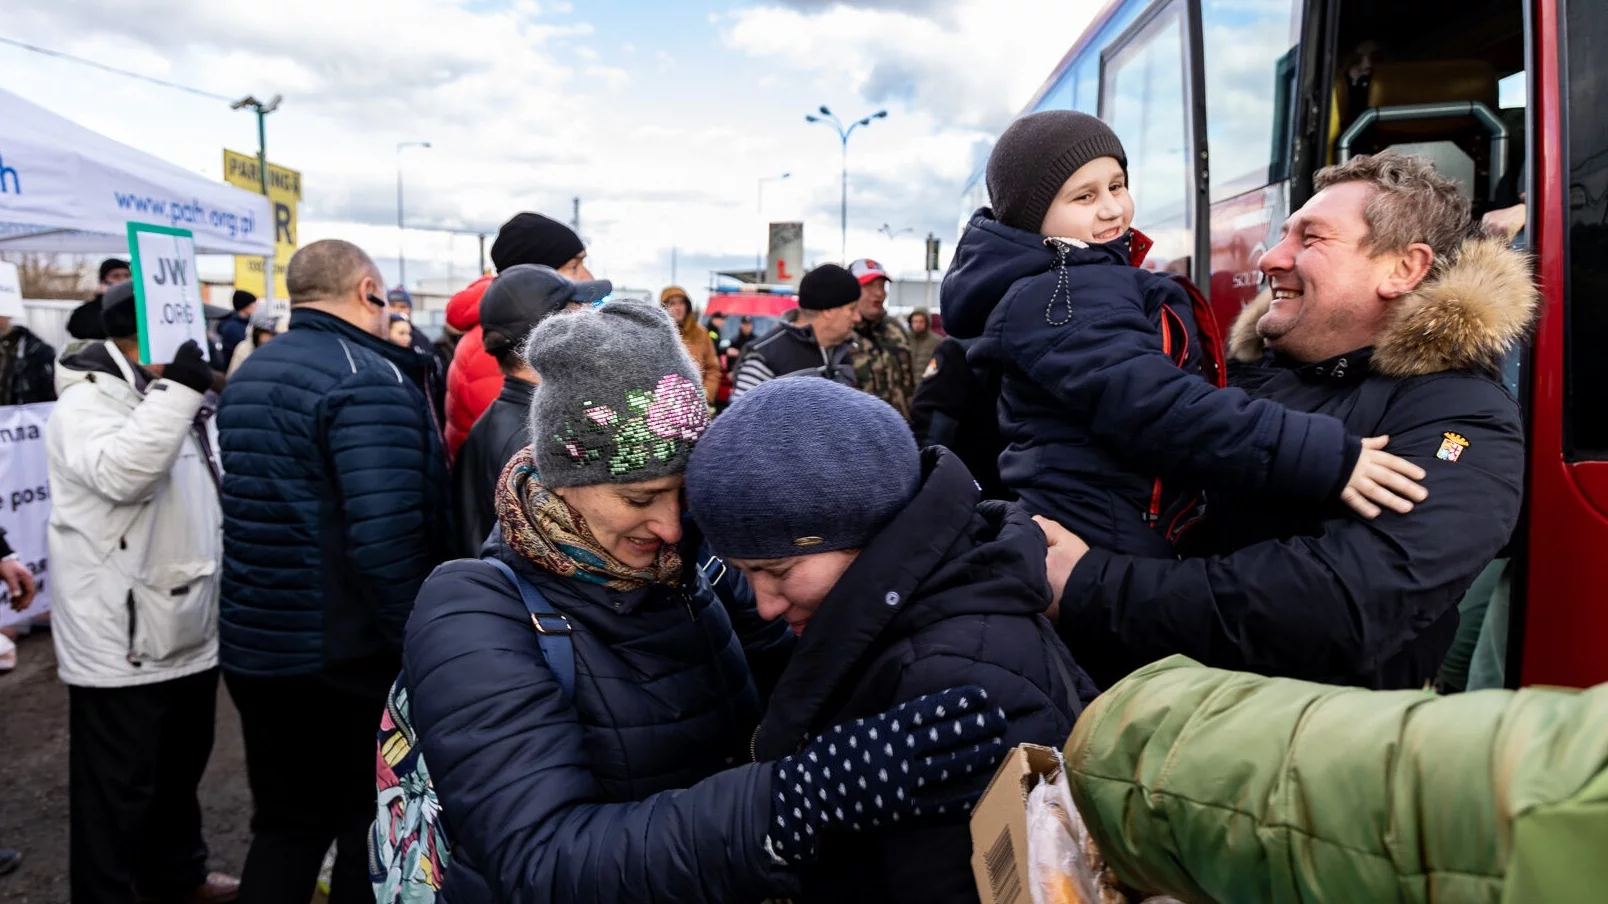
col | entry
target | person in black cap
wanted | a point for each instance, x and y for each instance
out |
(85, 322)
(518, 299)
(819, 342)
(232, 330)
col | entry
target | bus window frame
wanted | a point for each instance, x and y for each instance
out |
(1192, 59)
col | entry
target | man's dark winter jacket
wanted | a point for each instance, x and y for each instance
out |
(634, 791)
(1313, 592)
(1094, 408)
(788, 350)
(28, 373)
(949, 593)
(232, 331)
(336, 501)
(955, 407)
(500, 432)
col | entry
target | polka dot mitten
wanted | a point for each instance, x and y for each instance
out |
(869, 773)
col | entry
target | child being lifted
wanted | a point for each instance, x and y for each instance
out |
(1111, 401)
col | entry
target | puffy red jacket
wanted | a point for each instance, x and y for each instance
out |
(474, 379)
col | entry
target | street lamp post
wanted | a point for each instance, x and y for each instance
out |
(830, 119)
(759, 256)
(401, 251)
(262, 110)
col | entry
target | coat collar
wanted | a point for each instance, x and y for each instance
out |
(516, 391)
(408, 359)
(1465, 317)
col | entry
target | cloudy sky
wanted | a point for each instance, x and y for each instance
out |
(662, 117)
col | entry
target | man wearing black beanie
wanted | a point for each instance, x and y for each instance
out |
(473, 378)
(821, 340)
(530, 238)
(232, 331)
(85, 322)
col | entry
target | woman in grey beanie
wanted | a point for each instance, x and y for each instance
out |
(898, 580)
(606, 767)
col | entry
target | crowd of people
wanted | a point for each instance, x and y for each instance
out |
(623, 639)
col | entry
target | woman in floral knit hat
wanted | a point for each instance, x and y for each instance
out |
(634, 783)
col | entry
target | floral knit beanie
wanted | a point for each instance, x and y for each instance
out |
(620, 399)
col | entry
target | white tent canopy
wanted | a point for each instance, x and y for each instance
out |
(64, 188)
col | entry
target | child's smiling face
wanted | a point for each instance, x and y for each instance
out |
(1093, 205)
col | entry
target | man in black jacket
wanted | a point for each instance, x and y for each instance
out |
(336, 506)
(820, 342)
(85, 321)
(518, 299)
(1381, 314)
(27, 366)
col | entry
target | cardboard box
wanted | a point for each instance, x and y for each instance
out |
(999, 825)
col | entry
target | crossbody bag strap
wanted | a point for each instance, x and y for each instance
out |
(552, 627)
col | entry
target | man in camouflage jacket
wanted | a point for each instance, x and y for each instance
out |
(883, 363)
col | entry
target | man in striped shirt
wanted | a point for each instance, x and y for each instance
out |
(819, 343)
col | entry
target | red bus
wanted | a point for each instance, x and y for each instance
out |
(1228, 107)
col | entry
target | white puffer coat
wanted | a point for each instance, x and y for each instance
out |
(136, 531)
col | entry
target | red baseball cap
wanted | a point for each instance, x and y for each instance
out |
(866, 270)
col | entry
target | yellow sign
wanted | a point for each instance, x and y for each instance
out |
(284, 190)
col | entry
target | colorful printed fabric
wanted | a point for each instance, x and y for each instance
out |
(547, 531)
(408, 849)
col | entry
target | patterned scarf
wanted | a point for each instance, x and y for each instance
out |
(547, 531)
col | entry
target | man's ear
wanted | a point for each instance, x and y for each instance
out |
(1411, 267)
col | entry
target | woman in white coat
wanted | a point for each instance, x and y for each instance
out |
(136, 549)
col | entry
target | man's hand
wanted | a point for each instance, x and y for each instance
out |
(1504, 224)
(20, 581)
(1382, 478)
(189, 368)
(1066, 550)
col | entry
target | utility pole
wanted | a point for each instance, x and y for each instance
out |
(401, 249)
(482, 254)
(673, 251)
(262, 110)
(575, 221)
(931, 264)
(830, 119)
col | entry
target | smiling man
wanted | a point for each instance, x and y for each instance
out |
(1381, 314)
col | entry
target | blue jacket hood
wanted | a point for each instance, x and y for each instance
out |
(991, 257)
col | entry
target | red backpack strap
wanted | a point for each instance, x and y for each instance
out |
(1214, 361)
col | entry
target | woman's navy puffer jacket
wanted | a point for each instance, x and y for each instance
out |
(548, 801)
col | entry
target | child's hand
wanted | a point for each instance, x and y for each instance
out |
(1382, 479)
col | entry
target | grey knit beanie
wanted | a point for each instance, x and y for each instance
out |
(620, 400)
(798, 466)
(1036, 156)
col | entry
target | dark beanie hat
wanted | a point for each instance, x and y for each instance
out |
(110, 264)
(243, 299)
(530, 238)
(798, 466)
(118, 314)
(1036, 156)
(826, 287)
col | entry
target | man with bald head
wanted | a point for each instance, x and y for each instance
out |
(336, 505)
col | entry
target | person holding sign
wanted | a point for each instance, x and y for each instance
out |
(136, 546)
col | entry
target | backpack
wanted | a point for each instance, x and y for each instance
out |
(408, 845)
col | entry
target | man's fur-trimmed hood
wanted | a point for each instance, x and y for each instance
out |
(1466, 316)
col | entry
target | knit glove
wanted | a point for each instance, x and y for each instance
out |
(912, 759)
(189, 368)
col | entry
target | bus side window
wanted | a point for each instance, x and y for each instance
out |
(1143, 97)
(1250, 59)
(1586, 347)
